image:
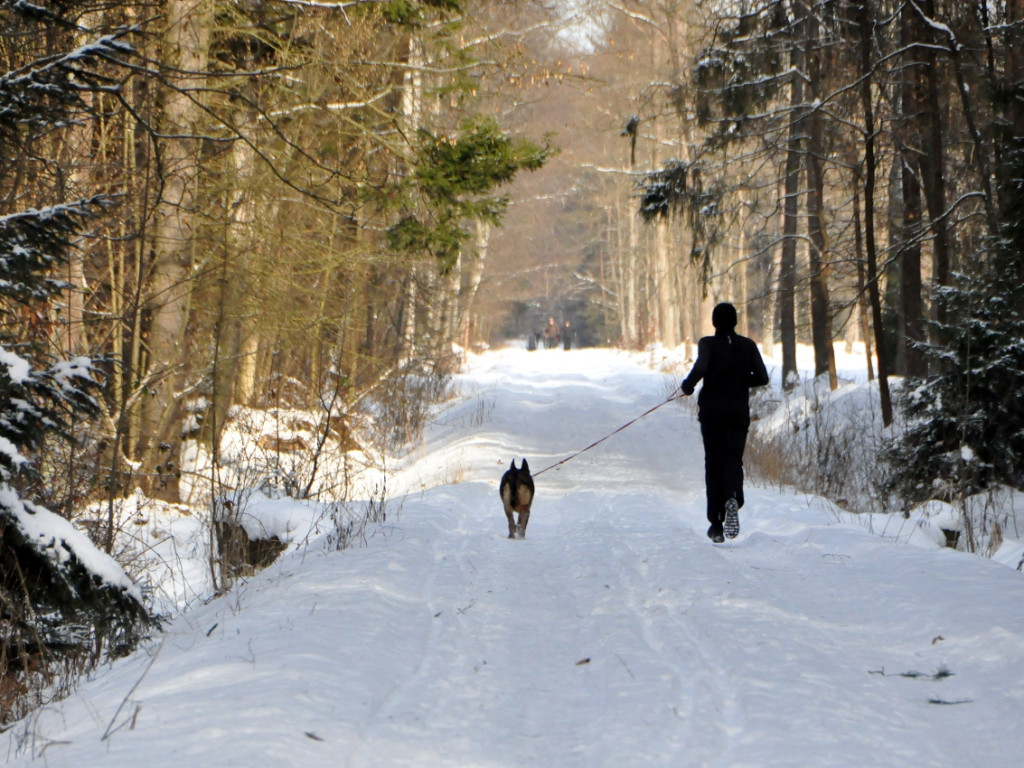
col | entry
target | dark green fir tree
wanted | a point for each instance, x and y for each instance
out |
(965, 423)
(454, 180)
(59, 594)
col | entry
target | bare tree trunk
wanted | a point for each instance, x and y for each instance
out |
(412, 108)
(618, 269)
(665, 277)
(1014, 83)
(69, 325)
(471, 286)
(186, 43)
(932, 173)
(230, 330)
(407, 337)
(968, 111)
(450, 301)
(790, 214)
(911, 309)
(687, 289)
(911, 314)
(769, 302)
(866, 28)
(863, 309)
(245, 387)
(744, 289)
(821, 311)
(632, 283)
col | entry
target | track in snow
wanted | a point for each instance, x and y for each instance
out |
(615, 635)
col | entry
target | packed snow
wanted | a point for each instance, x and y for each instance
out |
(616, 634)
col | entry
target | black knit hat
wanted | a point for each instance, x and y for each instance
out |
(724, 316)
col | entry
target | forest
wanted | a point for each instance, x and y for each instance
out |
(210, 209)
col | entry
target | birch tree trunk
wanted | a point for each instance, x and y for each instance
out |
(665, 277)
(471, 285)
(631, 276)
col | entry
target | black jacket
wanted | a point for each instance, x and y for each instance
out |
(730, 365)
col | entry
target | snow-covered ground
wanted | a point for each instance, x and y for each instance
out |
(614, 635)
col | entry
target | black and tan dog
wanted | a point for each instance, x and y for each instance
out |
(516, 491)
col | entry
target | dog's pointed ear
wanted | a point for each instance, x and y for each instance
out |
(525, 467)
(512, 466)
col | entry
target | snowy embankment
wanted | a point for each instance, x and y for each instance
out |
(615, 635)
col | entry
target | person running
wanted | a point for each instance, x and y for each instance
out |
(730, 365)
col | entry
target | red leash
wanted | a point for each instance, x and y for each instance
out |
(675, 396)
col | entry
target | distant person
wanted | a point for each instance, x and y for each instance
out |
(551, 334)
(730, 365)
(566, 336)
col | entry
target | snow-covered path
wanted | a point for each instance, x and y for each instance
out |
(615, 635)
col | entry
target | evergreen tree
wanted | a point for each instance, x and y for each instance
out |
(454, 180)
(965, 422)
(57, 590)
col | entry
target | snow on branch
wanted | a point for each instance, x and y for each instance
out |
(338, 106)
(937, 26)
(44, 92)
(34, 241)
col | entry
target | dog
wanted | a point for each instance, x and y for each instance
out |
(516, 491)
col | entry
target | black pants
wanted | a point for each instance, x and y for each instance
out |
(724, 441)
